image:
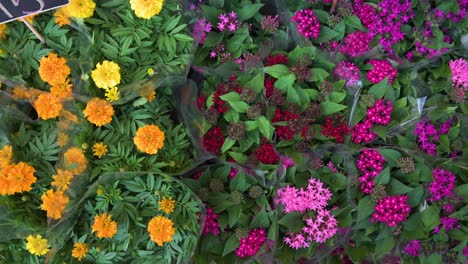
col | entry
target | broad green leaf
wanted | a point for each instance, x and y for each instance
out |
(384, 246)
(277, 70)
(383, 177)
(293, 221)
(231, 97)
(240, 107)
(365, 208)
(228, 143)
(319, 74)
(379, 89)
(430, 218)
(390, 155)
(398, 187)
(265, 127)
(248, 11)
(285, 82)
(257, 83)
(329, 108)
(260, 220)
(354, 22)
(231, 244)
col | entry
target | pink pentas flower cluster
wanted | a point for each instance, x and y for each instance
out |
(228, 22)
(314, 197)
(442, 186)
(378, 114)
(296, 240)
(356, 43)
(250, 245)
(381, 70)
(200, 29)
(370, 164)
(459, 70)
(391, 210)
(211, 223)
(322, 228)
(426, 134)
(412, 248)
(307, 23)
(449, 224)
(348, 71)
(430, 52)
(366, 13)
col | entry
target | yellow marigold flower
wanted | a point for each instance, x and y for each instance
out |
(98, 112)
(106, 75)
(104, 226)
(99, 149)
(75, 160)
(62, 179)
(80, 8)
(37, 245)
(61, 17)
(54, 203)
(62, 90)
(146, 8)
(48, 106)
(5, 155)
(17, 178)
(112, 94)
(167, 205)
(149, 139)
(79, 250)
(29, 18)
(53, 70)
(161, 230)
(151, 96)
(3, 29)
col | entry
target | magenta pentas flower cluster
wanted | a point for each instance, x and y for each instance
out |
(356, 43)
(228, 22)
(391, 210)
(366, 13)
(250, 245)
(211, 223)
(200, 29)
(459, 70)
(307, 23)
(449, 223)
(347, 71)
(442, 186)
(370, 164)
(314, 197)
(412, 248)
(378, 114)
(381, 70)
(427, 135)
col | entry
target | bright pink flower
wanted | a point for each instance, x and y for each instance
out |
(250, 245)
(381, 70)
(211, 223)
(370, 163)
(200, 29)
(459, 70)
(391, 210)
(322, 228)
(449, 224)
(347, 71)
(362, 132)
(426, 134)
(442, 186)
(356, 43)
(296, 240)
(380, 112)
(307, 23)
(412, 248)
(314, 197)
(228, 22)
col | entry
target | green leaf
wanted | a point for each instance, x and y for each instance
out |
(365, 208)
(234, 213)
(260, 220)
(248, 11)
(383, 177)
(381, 131)
(398, 187)
(319, 74)
(337, 97)
(212, 39)
(228, 143)
(231, 97)
(292, 96)
(240, 107)
(390, 155)
(293, 221)
(358, 254)
(231, 244)
(384, 246)
(462, 191)
(415, 196)
(327, 34)
(265, 127)
(277, 70)
(313, 94)
(353, 22)
(257, 83)
(430, 218)
(285, 82)
(379, 89)
(238, 157)
(329, 108)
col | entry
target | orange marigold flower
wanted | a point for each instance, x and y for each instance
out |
(3, 29)
(48, 106)
(61, 17)
(167, 205)
(79, 250)
(62, 179)
(20, 92)
(161, 229)
(104, 226)
(149, 139)
(53, 70)
(54, 203)
(62, 90)
(151, 96)
(98, 112)
(62, 139)
(5, 155)
(75, 160)
(99, 149)
(17, 178)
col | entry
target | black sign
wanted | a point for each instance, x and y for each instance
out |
(14, 9)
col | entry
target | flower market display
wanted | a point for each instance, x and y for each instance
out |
(211, 131)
